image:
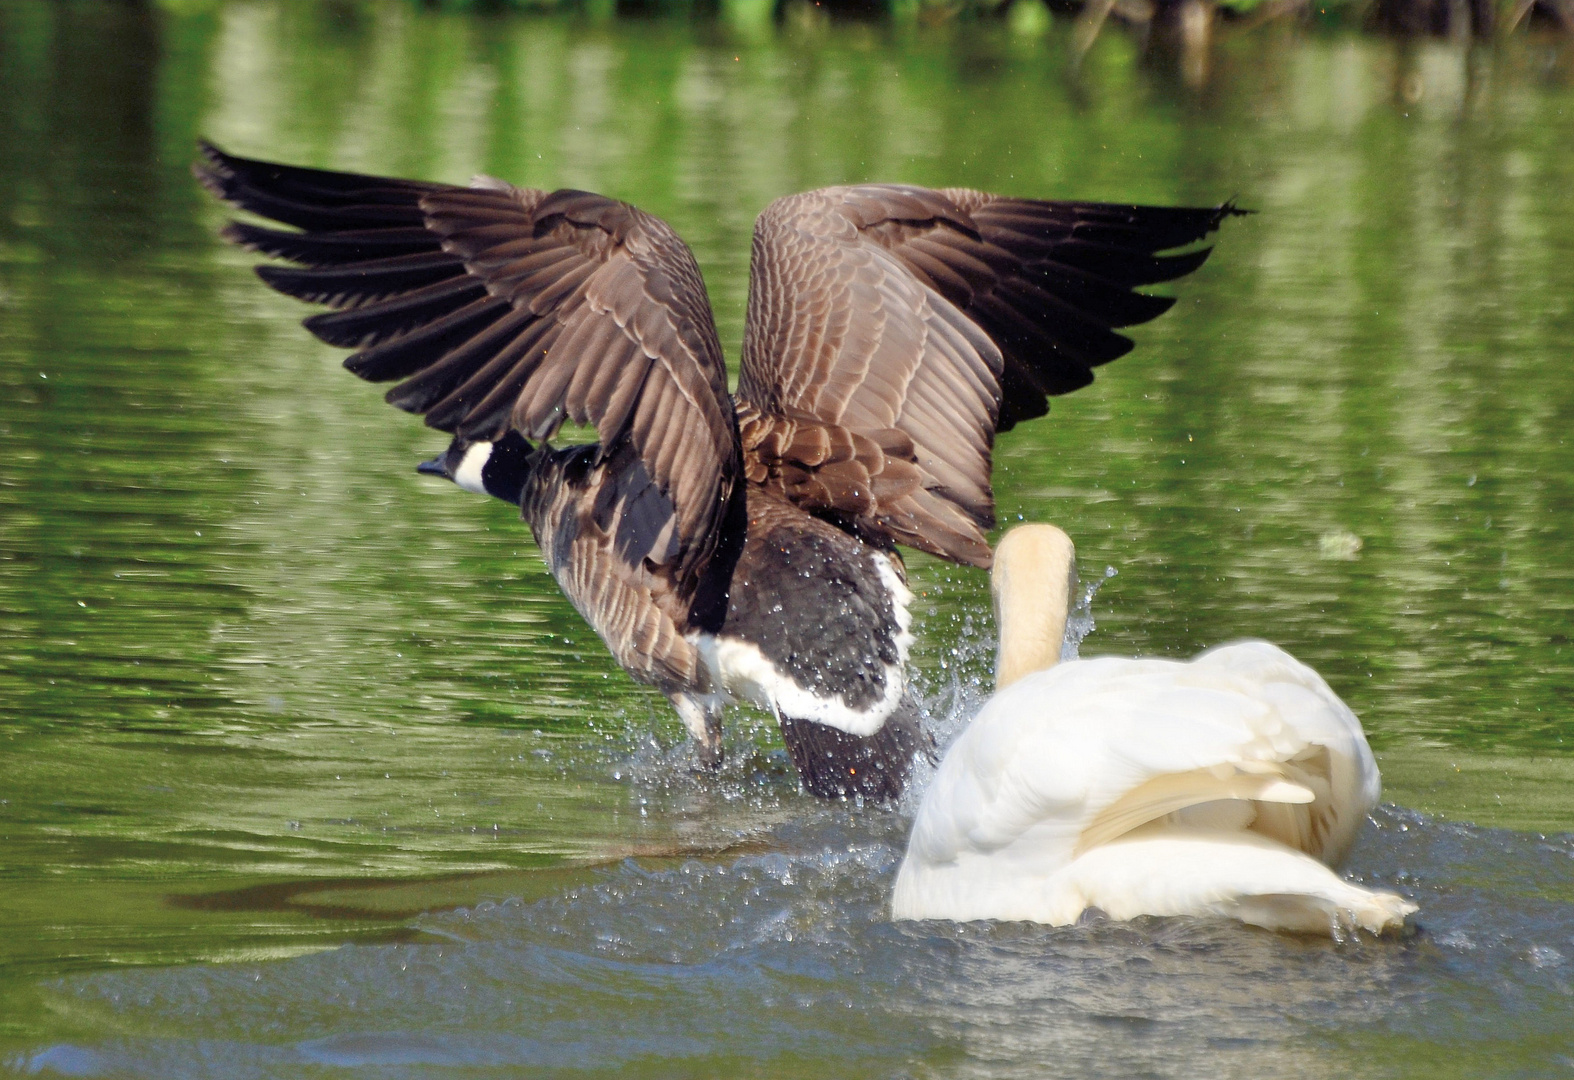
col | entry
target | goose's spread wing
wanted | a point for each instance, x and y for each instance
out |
(500, 306)
(893, 330)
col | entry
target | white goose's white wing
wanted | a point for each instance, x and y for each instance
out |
(1052, 800)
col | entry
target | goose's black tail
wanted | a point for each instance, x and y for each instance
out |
(833, 764)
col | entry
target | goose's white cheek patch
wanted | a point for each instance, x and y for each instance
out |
(468, 475)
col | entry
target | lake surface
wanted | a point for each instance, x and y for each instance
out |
(307, 769)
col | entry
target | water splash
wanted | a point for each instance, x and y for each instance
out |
(1079, 624)
(782, 961)
(951, 694)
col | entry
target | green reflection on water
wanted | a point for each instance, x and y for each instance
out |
(242, 643)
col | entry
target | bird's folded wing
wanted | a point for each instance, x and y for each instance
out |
(1273, 782)
(586, 515)
(1085, 752)
(945, 316)
(508, 307)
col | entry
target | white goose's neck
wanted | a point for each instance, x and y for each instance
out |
(1034, 578)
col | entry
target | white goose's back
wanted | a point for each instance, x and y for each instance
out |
(1230, 784)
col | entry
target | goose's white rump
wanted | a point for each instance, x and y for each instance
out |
(1228, 785)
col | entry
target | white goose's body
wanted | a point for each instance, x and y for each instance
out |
(1229, 785)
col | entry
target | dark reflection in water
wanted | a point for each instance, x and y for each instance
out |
(249, 659)
(96, 150)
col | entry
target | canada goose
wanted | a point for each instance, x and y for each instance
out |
(726, 546)
(1229, 785)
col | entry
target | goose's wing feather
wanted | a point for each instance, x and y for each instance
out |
(921, 322)
(505, 307)
(588, 513)
(1050, 282)
(1082, 753)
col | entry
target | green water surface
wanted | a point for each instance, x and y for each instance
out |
(264, 690)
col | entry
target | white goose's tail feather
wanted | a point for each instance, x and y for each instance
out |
(1173, 871)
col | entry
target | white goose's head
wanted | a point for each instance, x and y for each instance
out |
(1033, 580)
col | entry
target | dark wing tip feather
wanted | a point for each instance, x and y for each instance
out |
(1061, 278)
(311, 199)
(359, 283)
(329, 248)
(1169, 267)
(1227, 209)
(209, 168)
(372, 324)
(1151, 307)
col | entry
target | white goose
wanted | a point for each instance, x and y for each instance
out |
(1229, 785)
